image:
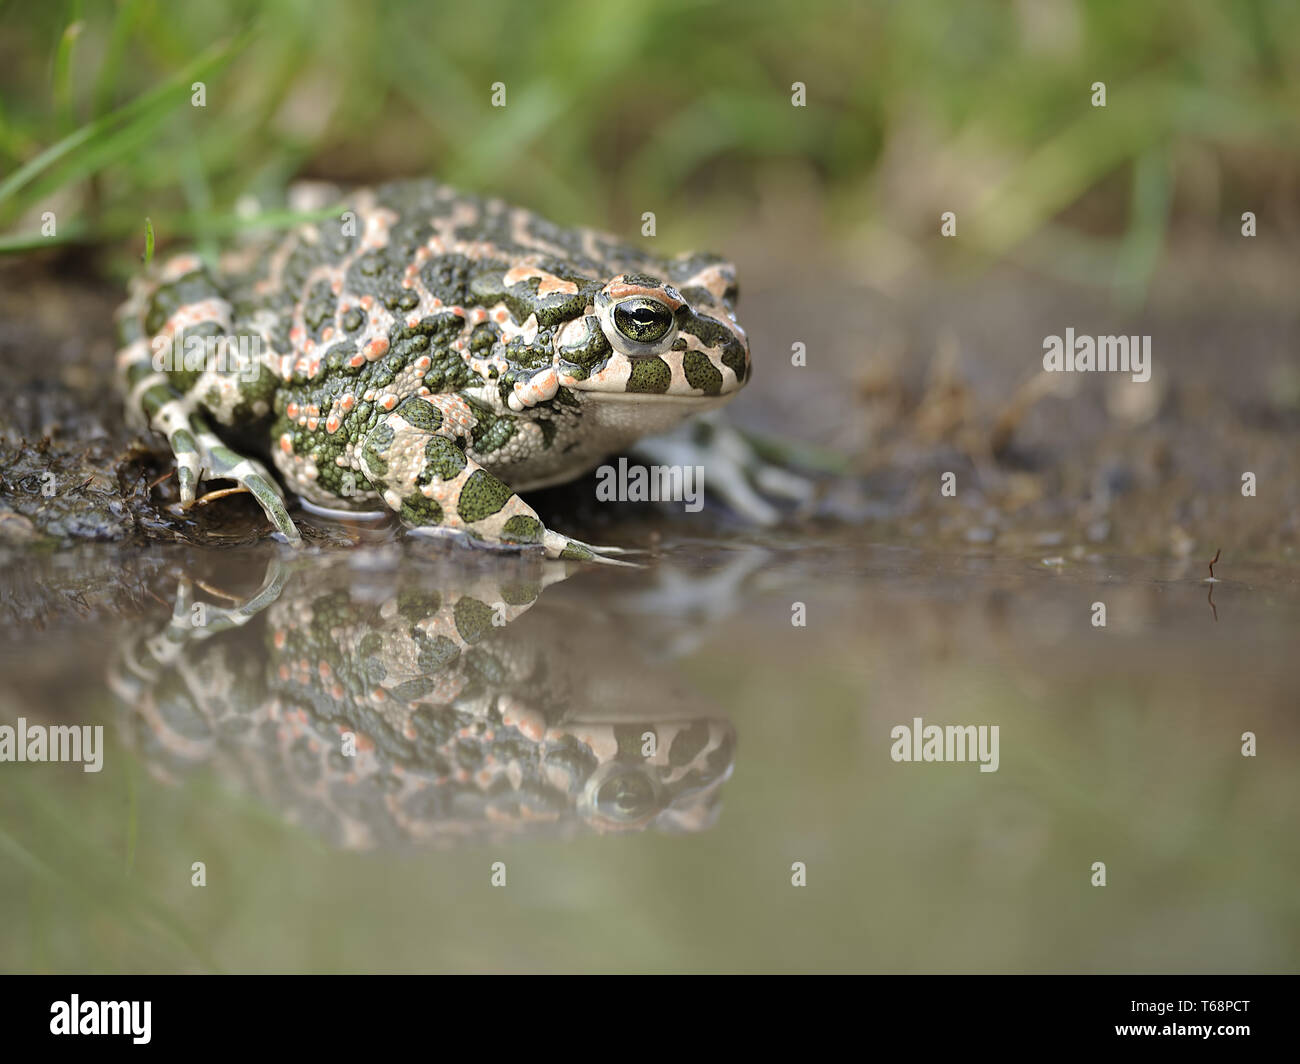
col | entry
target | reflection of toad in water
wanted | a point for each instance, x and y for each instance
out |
(377, 711)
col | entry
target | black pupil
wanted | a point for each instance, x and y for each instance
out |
(625, 796)
(644, 316)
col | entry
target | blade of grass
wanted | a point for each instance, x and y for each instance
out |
(62, 87)
(1139, 251)
(132, 906)
(110, 68)
(95, 878)
(126, 114)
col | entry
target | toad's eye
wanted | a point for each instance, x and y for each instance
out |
(626, 797)
(642, 320)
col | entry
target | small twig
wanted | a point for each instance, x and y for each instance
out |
(218, 592)
(1215, 559)
(155, 483)
(220, 493)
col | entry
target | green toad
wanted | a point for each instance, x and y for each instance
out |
(429, 350)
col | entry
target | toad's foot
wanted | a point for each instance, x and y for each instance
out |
(154, 400)
(216, 461)
(736, 473)
(415, 458)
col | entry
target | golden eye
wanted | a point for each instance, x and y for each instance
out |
(642, 320)
(625, 797)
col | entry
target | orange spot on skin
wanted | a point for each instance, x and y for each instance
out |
(357, 361)
(332, 424)
(388, 402)
(348, 402)
(286, 443)
(367, 301)
(291, 411)
(377, 348)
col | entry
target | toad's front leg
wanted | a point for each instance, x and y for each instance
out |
(415, 458)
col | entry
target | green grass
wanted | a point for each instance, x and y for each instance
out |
(681, 107)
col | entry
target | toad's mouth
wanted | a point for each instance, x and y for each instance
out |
(699, 402)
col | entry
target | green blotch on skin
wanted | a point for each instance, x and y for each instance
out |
(473, 619)
(436, 653)
(549, 429)
(701, 373)
(734, 359)
(413, 689)
(443, 459)
(522, 529)
(415, 605)
(491, 434)
(378, 441)
(687, 744)
(482, 496)
(417, 510)
(421, 414)
(319, 308)
(520, 594)
(649, 375)
(576, 552)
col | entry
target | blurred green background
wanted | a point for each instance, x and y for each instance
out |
(613, 109)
